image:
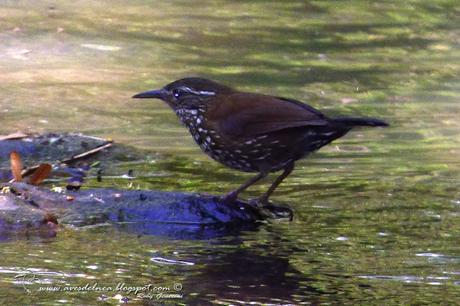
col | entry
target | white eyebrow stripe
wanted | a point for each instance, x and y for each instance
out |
(207, 93)
(201, 92)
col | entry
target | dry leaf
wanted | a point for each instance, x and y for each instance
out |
(40, 174)
(16, 166)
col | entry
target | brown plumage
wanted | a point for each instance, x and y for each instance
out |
(252, 132)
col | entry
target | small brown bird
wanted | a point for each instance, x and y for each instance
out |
(252, 132)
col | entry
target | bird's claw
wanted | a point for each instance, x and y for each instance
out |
(275, 211)
(259, 202)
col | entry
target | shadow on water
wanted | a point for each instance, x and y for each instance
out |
(249, 276)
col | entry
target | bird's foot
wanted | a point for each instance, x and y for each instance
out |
(272, 210)
(259, 202)
(280, 211)
(231, 200)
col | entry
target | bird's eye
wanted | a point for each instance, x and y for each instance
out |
(177, 93)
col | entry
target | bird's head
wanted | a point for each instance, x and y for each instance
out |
(186, 93)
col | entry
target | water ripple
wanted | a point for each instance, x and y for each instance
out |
(165, 261)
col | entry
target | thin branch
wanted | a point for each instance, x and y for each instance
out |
(17, 135)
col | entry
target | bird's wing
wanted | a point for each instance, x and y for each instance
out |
(244, 114)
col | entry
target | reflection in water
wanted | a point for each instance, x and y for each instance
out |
(244, 276)
(184, 231)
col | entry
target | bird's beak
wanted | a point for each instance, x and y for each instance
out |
(151, 94)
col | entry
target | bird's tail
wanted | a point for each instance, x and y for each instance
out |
(351, 121)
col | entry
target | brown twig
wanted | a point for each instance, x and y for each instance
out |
(17, 135)
(87, 153)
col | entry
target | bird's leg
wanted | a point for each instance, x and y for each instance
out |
(287, 170)
(233, 195)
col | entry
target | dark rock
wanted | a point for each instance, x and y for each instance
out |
(19, 218)
(173, 214)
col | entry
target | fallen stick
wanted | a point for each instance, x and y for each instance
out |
(17, 135)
